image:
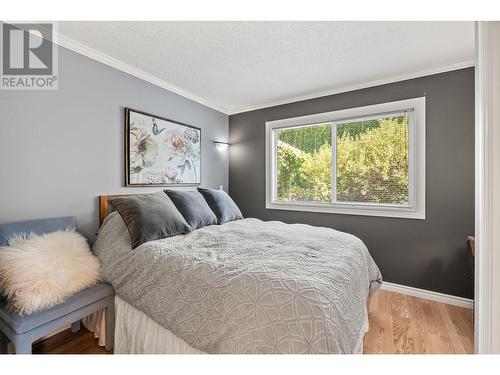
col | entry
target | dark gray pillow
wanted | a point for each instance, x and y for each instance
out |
(150, 217)
(222, 205)
(193, 207)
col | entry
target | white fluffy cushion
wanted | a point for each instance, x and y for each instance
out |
(40, 271)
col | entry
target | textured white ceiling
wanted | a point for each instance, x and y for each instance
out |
(235, 66)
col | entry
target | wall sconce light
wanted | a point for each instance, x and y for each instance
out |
(221, 145)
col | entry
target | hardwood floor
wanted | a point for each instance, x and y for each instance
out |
(405, 324)
(398, 324)
(66, 342)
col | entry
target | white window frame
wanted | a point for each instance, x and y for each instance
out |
(415, 209)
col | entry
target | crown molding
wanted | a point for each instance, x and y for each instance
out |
(342, 89)
(101, 57)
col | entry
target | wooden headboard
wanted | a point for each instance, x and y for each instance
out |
(105, 208)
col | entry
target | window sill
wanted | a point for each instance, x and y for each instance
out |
(350, 209)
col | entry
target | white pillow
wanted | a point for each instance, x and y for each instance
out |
(40, 271)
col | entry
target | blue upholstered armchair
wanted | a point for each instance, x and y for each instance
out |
(23, 330)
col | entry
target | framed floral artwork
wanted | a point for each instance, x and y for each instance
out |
(159, 151)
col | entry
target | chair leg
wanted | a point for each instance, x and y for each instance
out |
(110, 324)
(4, 341)
(75, 326)
(23, 345)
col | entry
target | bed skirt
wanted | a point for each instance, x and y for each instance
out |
(136, 333)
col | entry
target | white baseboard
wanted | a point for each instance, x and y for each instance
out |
(428, 294)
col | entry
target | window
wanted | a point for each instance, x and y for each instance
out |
(362, 161)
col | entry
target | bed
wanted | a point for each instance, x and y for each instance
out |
(246, 286)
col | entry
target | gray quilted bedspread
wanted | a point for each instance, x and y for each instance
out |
(247, 286)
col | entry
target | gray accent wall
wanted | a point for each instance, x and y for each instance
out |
(428, 254)
(60, 149)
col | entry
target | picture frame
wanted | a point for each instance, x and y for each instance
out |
(160, 151)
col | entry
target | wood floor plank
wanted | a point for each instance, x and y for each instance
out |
(375, 337)
(462, 324)
(452, 329)
(388, 324)
(438, 317)
(417, 320)
(398, 324)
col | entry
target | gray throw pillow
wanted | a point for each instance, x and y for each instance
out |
(193, 207)
(150, 217)
(222, 205)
